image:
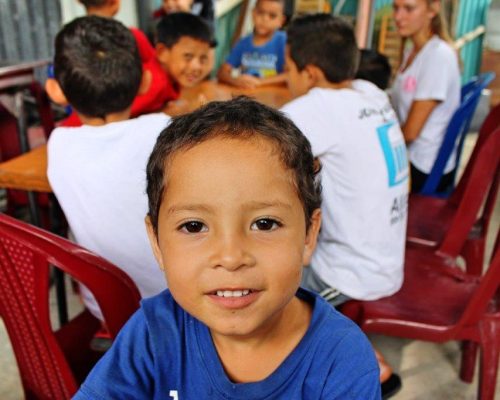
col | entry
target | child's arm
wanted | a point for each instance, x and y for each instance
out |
(273, 80)
(225, 75)
(181, 106)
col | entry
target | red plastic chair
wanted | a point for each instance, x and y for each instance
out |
(430, 218)
(52, 363)
(439, 303)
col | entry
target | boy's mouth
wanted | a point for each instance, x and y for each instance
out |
(233, 293)
(234, 299)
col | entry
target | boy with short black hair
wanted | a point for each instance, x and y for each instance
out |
(159, 92)
(354, 132)
(184, 45)
(258, 59)
(97, 170)
(233, 217)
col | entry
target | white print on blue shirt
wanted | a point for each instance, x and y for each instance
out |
(394, 149)
(255, 63)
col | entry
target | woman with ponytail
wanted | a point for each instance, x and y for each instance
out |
(426, 90)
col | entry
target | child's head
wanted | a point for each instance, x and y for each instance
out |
(183, 47)
(103, 8)
(233, 212)
(171, 6)
(268, 16)
(374, 67)
(97, 67)
(324, 42)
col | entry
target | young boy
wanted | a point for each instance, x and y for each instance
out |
(97, 171)
(233, 217)
(354, 132)
(258, 59)
(160, 90)
(183, 48)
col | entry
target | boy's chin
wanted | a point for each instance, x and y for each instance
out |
(187, 83)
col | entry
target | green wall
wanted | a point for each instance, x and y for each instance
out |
(472, 13)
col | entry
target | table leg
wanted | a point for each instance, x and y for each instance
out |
(22, 131)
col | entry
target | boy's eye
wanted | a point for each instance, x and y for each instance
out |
(193, 227)
(265, 224)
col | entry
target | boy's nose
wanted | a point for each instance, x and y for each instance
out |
(196, 64)
(230, 252)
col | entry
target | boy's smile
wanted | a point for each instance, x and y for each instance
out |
(187, 62)
(232, 236)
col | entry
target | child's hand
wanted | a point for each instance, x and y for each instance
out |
(177, 107)
(246, 81)
(181, 106)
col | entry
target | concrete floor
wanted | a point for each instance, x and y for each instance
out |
(428, 371)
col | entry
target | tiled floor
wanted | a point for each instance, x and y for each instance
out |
(428, 371)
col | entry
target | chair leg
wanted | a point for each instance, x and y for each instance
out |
(490, 353)
(468, 361)
(473, 254)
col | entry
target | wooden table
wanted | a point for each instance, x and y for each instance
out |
(273, 96)
(26, 172)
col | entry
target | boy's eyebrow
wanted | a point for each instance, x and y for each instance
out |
(252, 205)
(257, 205)
(189, 207)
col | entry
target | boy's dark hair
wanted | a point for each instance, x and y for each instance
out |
(172, 27)
(374, 67)
(237, 118)
(97, 65)
(92, 3)
(325, 41)
(282, 2)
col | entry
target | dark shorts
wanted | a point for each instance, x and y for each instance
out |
(312, 282)
(418, 179)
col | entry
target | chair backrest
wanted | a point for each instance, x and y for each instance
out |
(455, 132)
(483, 175)
(26, 255)
(489, 125)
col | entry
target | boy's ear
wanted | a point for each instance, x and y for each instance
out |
(311, 236)
(153, 241)
(314, 74)
(55, 92)
(145, 82)
(162, 53)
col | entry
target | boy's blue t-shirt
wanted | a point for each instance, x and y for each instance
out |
(165, 353)
(260, 61)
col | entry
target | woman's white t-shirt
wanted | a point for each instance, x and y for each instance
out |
(434, 74)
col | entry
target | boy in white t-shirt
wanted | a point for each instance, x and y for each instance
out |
(97, 171)
(354, 133)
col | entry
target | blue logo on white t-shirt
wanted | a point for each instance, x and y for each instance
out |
(394, 149)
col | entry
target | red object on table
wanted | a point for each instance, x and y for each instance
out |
(53, 363)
